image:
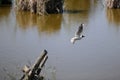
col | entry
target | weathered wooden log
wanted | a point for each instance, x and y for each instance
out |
(36, 65)
(26, 69)
(42, 64)
(33, 72)
(113, 3)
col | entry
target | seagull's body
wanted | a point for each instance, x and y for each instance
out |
(76, 38)
(78, 34)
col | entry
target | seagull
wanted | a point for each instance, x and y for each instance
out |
(78, 34)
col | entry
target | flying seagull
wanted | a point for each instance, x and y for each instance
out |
(78, 34)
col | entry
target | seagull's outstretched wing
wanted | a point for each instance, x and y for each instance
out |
(80, 29)
(78, 34)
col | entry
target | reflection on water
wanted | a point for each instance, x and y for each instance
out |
(48, 23)
(4, 12)
(113, 16)
(25, 20)
(77, 5)
(96, 57)
(77, 10)
(81, 17)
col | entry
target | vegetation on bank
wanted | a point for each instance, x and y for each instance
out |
(113, 4)
(40, 6)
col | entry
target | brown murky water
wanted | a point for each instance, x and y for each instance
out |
(95, 57)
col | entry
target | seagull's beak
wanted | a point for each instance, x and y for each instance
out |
(83, 36)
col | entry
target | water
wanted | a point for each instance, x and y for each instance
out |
(95, 57)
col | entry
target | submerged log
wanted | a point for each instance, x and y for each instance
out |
(113, 3)
(33, 73)
(41, 6)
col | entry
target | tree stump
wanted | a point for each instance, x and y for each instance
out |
(113, 3)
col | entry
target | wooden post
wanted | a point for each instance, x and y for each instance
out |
(42, 64)
(33, 72)
(36, 65)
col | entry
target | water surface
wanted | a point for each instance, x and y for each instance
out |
(95, 57)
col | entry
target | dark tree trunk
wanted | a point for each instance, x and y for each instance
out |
(54, 6)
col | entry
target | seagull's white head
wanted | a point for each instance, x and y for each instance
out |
(82, 24)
